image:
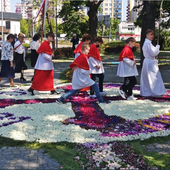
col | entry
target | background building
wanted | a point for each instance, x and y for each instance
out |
(128, 29)
(14, 23)
(25, 10)
(6, 6)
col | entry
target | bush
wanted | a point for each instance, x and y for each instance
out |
(66, 52)
(117, 47)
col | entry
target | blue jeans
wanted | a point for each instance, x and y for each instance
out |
(72, 92)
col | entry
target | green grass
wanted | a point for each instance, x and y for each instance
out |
(65, 153)
(153, 158)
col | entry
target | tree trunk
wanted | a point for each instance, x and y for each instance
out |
(148, 22)
(92, 13)
(51, 30)
(93, 20)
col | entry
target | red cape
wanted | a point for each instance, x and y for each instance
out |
(94, 52)
(78, 49)
(81, 62)
(126, 52)
(45, 48)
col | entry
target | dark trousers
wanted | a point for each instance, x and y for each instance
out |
(101, 78)
(129, 83)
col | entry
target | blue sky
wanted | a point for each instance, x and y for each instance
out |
(13, 3)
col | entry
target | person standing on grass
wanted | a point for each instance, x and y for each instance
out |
(151, 83)
(96, 65)
(44, 74)
(34, 45)
(7, 60)
(127, 69)
(85, 39)
(19, 56)
(81, 77)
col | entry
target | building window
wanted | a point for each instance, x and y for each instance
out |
(106, 9)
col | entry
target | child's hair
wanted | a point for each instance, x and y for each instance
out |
(86, 37)
(98, 39)
(150, 31)
(36, 37)
(50, 34)
(130, 39)
(10, 36)
(84, 46)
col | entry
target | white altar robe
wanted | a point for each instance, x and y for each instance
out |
(81, 78)
(151, 83)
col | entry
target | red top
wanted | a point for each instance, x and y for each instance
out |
(45, 48)
(126, 52)
(78, 49)
(81, 62)
(94, 52)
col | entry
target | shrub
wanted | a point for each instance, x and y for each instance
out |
(66, 52)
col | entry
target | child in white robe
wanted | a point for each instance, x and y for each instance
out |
(81, 77)
(151, 83)
(127, 69)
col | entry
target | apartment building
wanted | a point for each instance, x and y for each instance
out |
(6, 6)
(120, 9)
(25, 10)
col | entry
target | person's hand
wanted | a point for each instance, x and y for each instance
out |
(98, 67)
(134, 56)
(134, 63)
(11, 65)
(52, 55)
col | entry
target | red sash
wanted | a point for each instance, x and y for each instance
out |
(94, 52)
(126, 52)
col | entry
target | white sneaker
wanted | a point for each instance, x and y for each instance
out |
(93, 96)
(122, 93)
(103, 93)
(131, 98)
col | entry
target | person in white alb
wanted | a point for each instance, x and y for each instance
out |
(151, 83)
(96, 65)
(81, 77)
(44, 75)
(127, 69)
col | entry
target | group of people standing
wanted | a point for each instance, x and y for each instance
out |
(151, 83)
(87, 66)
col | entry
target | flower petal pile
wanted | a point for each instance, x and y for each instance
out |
(82, 119)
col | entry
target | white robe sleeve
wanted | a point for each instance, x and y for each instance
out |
(86, 72)
(93, 62)
(47, 57)
(153, 51)
(128, 61)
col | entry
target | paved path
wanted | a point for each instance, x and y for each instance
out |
(25, 158)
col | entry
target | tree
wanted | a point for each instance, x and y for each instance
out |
(148, 21)
(114, 27)
(25, 24)
(92, 13)
(74, 19)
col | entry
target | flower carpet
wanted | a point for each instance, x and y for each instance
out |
(82, 119)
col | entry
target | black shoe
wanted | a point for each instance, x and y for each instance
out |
(105, 101)
(31, 91)
(59, 101)
(22, 79)
(55, 92)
